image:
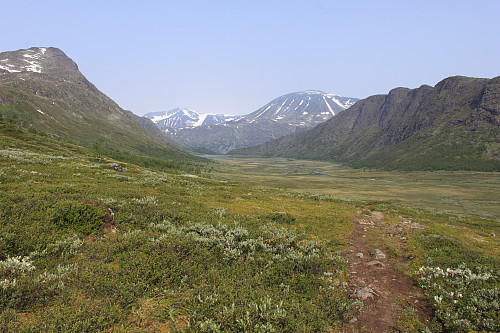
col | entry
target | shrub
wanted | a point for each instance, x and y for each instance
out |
(84, 218)
(465, 300)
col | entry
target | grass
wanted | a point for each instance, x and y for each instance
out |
(86, 248)
(455, 192)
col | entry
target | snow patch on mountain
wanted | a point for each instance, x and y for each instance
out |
(31, 61)
(186, 118)
(329, 107)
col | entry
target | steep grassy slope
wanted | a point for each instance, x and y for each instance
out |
(51, 95)
(453, 126)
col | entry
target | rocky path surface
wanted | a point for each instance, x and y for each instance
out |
(373, 279)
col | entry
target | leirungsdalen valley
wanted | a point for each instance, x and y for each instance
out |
(314, 213)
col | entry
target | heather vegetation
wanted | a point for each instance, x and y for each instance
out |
(85, 247)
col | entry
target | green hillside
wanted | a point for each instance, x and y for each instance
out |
(61, 102)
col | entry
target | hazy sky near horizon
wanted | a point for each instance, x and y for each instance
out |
(233, 57)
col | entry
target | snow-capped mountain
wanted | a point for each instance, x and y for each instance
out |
(303, 108)
(284, 115)
(185, 118)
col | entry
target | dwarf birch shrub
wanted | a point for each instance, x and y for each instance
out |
(84, 218)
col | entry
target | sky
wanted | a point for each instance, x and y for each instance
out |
(233, 57)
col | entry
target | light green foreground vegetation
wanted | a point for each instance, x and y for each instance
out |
(456, 192)
(85, 248)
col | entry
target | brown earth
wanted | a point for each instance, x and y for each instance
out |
(390, 290)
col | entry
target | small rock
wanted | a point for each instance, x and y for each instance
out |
(353, 320)
(359, 255)
(377, 254)
(375, 263)
(116, 167)
(493, 235)
(364, 293)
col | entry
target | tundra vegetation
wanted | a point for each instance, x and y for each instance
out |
(84, 248)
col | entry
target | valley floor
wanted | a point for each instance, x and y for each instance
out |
(455, 192)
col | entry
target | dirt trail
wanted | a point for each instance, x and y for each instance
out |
(374, 280)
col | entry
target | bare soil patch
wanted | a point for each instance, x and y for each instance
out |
(384, 290)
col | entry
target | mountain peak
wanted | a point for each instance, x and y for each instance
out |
(303, 108)
(284, 115)
(449, 126)
(41, 60)
(185, 118)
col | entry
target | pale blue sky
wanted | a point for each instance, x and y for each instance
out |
(235, 56)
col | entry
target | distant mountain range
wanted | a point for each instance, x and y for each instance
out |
(221, 133)
(41, 88)
(454, 125)
(185, 118)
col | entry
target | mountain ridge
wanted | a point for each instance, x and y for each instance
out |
(183, 117)
(283, 115)
(41, 87)
(454, 125)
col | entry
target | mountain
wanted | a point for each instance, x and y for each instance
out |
(284, 115)
(181, 118)
(454, 125)
(42, 89)
(151, 127)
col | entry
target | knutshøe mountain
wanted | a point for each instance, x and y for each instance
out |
(42, 88)
(454, 125)
(284, 115)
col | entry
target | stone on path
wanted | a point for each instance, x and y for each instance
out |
(377, 254)
(364, 293)
(359, 254)
(375, 263)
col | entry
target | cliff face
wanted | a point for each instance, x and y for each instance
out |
(454, 125)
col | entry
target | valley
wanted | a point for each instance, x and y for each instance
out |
(456, 192)
(107, 225)
(87, 246)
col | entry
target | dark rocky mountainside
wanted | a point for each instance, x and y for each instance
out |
(284, 115)
(454, 125)
(43, 89)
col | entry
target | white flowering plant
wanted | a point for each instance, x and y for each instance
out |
(464, 299)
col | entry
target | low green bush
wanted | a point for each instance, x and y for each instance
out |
(84, 218)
